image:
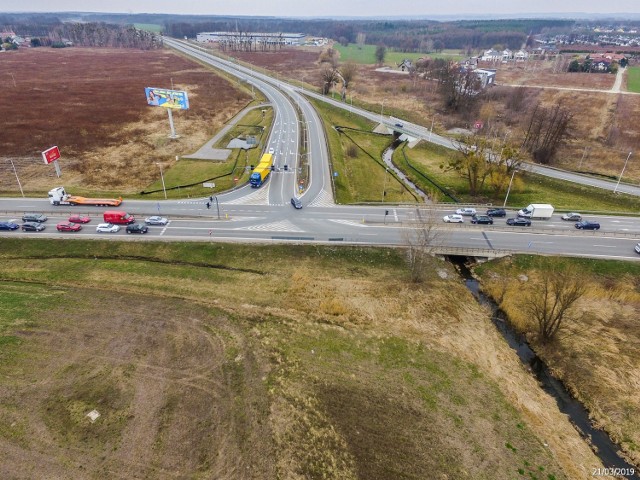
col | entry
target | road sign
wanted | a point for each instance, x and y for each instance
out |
(478, 125)
(209, 185)
(51, 155)
(335, 174)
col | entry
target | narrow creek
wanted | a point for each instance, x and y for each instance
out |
(601, 444)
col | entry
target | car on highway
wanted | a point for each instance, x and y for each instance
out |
(32, 227)
(587, 225)
(137, 228)
(497, 212)
(519, 222)
(297, 204)
(466, 211)
(637, 248)
(272, 151)
(482, 219)
(107, 228)
(156, 220)
(68, 227)
(572, 216)
(9, 226)
(34, 217)
(79, 219)
(453, 219)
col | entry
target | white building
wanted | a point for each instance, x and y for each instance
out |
(294, 39)
(491, 56)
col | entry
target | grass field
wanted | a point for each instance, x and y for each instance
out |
(366, 54)
(149, 27)
(633, 79)
(226, 175)
(231, 361)
(598, 356)
(356, 155)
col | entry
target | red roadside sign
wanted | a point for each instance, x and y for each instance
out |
(51, 155)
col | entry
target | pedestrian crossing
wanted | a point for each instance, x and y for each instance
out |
(351, 223)
(323, 199)
(280, 226)
(258, 197)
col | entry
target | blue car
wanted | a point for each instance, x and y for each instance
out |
(9, 226)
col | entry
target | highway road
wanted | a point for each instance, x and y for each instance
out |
(285, 138)
(362, 225)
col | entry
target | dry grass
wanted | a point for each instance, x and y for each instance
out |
(90, 103)
(345, 332)
(598, 357)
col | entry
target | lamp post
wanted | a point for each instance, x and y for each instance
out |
(381, 110)
(302, 82)
(509, 189)
(583, 155)
(16, 174)
(384, 183)
(164, 189)
(622, 173)
(431, 129)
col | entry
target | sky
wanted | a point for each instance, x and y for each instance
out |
(333, 8)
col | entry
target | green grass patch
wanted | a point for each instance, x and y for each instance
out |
(366, 54)
(149, 27)
(633, 79)
(356, 157)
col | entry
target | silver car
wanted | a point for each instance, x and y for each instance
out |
(107, 228)
(156, 220)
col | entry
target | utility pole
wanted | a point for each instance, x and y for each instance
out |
(164, 189)
(16, 173)
(615, 190)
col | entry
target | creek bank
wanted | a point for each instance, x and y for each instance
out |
(608, 452)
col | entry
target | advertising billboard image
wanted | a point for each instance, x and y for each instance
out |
(160, 97)
(51, 155)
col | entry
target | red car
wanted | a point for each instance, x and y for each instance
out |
(79, 219)
(68, 227)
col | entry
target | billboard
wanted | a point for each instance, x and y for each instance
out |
(51, 155)
(160, 97)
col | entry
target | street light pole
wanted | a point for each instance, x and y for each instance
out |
(384, 183)
(164, 189)
(217, 206)
(622, 172)
(509, 189)
(431, 130)
(381, 110)
(583, 155)
(16, 174)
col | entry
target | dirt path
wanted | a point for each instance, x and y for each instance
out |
(618, 82)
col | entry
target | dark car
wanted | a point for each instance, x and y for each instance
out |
(497, 212)
(587, 225)
(482, 219)
(137, 228)
(34, 217)
(79, 219)
(32, 227)
(519, 222)
(9, 226)
(296, 203)
(68, 227)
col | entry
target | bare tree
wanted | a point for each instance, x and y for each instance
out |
(381, 52)
(347, 74)
(551, 300)
(329, 79)
(547, 129)
(421, 241)
(472, 162)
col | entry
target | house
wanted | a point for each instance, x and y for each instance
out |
(487, 76)
(521, 56)
(406, 65)
(507, 55)
(491, 56)
(471, 62)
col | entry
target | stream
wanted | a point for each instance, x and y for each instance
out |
(601, 444)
